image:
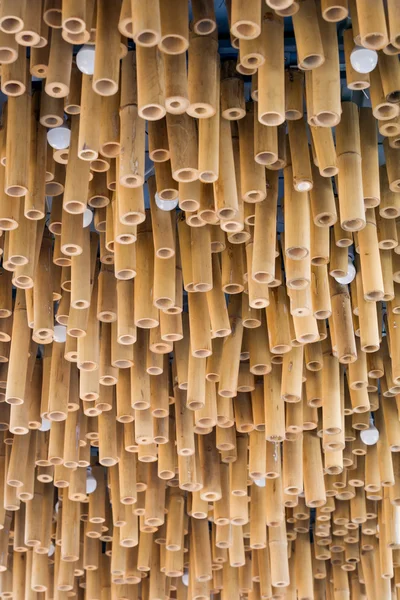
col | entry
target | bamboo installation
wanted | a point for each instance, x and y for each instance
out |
(186, 394)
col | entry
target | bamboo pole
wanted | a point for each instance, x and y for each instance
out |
(372, 24)
(271, 76)
(348, 148)
(107, 57)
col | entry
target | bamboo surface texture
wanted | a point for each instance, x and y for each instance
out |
(207, 368)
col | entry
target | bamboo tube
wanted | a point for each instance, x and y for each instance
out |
(8, 48)
(297, 210)
(30, 33)
(344, 332)
(326, 107)
(278, 556)
(349, 163)
(158, 141)
(294, 83)
(77, 174)
(392, 168)
(146, 25)
(131, 161)
(292, 375)
(15, 390)
(245, 20)
(209, 147)
(322, 201)
(314, 486)
(252, 175)
(162, 227)
(370, 259)
(388, 206)
(39, 61)
(35, 199)
(271, 82)
(370, 162)
(174, 27)
(199, 325)
(372, 24)
(89, 136)
(302, 177)
(209, 465)
(88, 345)
(70, 530)
(258, 292)
(232, 92)
(231, 353)
(393, 21)
(106, 67)
(167, 188)
(59, 70)
(265, 143)
(145, 312)
(369, 333)
(11, 19)
(204, 21)
(14, 77)
(17, 149)
(51, 111)
(292, 466)
(176, 86)
(73, 17)
(225, 188)
(43, 300)
(263, 266)
(381, 108)
(150, 75)
(308, 37)
(110, 130)
(334, 10)
(274, 410)
(324, 151)
(183, 147)
(319, 245)
(260, 358)
(203, 66)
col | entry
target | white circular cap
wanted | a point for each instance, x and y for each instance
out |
(91, 483)
(45, 426)
(259, 482)
(59, 137)
(370, 436)
(363, 60)
(87, 217)
(52, 549)
(166, 204)
(85, 60)
(348, 278)
(60, 333)
(185, 578)
(304, 186)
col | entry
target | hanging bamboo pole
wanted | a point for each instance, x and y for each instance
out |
(372, 24)
(348, 147)
(271, 75)
(107, 63)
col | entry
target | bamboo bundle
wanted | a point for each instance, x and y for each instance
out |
(196, 392)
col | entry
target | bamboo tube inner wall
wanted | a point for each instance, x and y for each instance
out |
(199, 300)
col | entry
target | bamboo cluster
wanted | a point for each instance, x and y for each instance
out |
(214, 376)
